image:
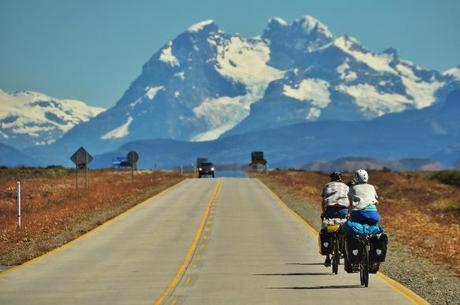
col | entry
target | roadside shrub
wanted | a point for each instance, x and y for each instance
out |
(451, 177)
(56, 170)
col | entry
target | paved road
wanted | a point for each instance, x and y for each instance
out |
(231, 173)
(206, 241)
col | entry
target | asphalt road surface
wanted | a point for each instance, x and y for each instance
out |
(205, 241)
(231, 173)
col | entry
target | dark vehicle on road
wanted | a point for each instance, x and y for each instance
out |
(200, 160)
(206, 169)
(257, 159)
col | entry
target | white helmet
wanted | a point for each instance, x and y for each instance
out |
(360, 176)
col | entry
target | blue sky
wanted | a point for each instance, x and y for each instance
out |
(93, 49)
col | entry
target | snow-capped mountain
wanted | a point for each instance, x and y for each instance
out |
(327, 77)
(196, 87)
(30, 118)
(431, 133)
(453, 72)
(205, 84)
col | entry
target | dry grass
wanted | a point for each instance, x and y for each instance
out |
(54, 212)
(416, 210)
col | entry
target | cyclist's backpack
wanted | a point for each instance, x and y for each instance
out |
(353, 249)
(325, 243)
(379, 244)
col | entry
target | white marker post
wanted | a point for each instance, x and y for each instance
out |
(19, 203)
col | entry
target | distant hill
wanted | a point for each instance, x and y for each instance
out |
(10, 156)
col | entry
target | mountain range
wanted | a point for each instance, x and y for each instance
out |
(30, 118)
(297, 91)
(416, 134)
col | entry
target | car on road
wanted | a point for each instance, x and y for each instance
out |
(206, 169)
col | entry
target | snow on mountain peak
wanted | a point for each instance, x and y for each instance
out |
(246, 61)
(33, 118)
(314, 91)
(167, 56)
(242, 61)
(278, 21)
(151, 92)
(119, 132)
(351, 46)
(454, 72)
(290, 43)
(198, 27)
(310, 24)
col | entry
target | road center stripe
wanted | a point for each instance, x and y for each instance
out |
(191, 251)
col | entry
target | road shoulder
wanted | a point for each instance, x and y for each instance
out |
(434, 283)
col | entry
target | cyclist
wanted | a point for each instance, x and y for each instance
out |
(363, 207)
(363, 198)
(335, 202)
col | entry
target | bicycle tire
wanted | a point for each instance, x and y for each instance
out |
(335, 256)
(366, 266)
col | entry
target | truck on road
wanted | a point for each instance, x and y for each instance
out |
(206, 169)
(257, 158)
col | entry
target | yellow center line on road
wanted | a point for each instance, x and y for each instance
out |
(406, 292)
(92, 231)
(191, 251)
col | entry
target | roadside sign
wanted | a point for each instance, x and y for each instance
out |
(133, 157)
(81, 158)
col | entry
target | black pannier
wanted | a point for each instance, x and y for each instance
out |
(374, 268)
(325, 243)
(353, 249)
(378, 252)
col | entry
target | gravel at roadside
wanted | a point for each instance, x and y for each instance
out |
(436, 284)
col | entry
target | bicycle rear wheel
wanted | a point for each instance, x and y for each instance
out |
(335, 255)
(364, 267)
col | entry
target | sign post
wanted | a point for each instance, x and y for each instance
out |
(81, 158)
(19, 203)
(132, 157)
